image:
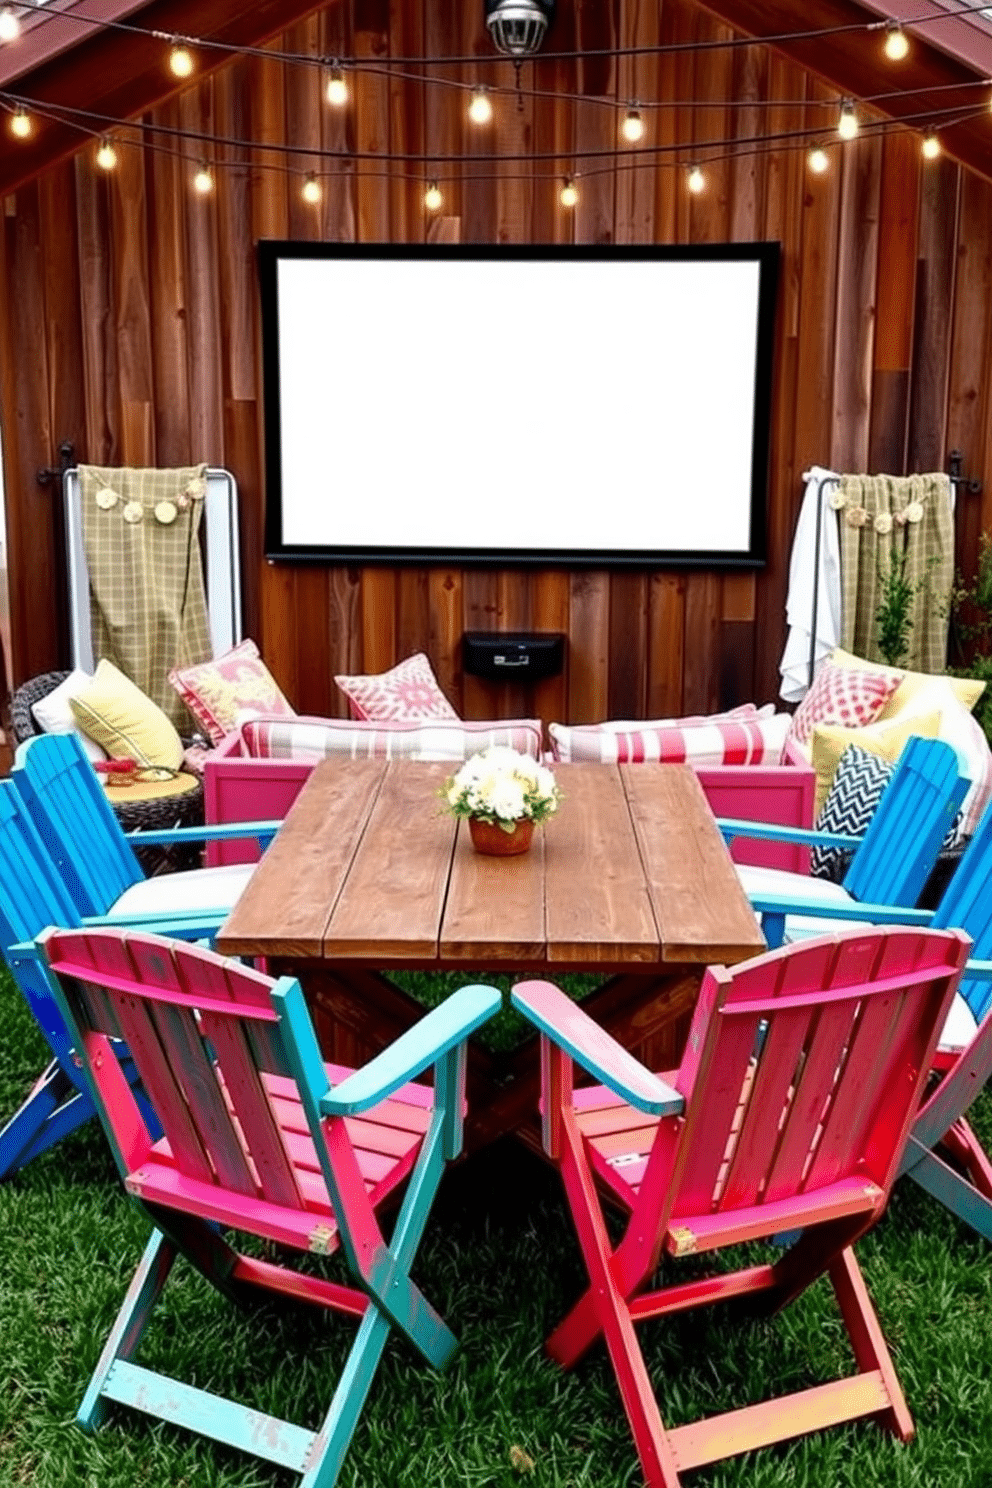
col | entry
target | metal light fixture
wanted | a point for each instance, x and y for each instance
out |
(517, 27)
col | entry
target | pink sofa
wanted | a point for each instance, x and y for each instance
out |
(240, 785)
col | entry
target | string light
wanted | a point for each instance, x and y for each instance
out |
(696, 181)
(10, 26)
(847, 124)
(180, 60)
(337, 88)
(896, 42)
(203, 181)
(817, 160)
(106, 156)
(632, 127)
(930, 148)
(311, 192)
(433, 200)
(20, 124)
(480, 110)
(569, 194)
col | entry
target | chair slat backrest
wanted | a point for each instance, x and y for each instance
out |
(916, 810)
(805, 1066)
(202, 1033)
(60, 789)
(966, 905)
(32, 895)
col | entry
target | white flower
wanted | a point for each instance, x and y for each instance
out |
(133, 512)
(106, 498)
(914, 511)
(506, 799)
(837, 499)
(545, 781)
(499, 784)
(883, 522)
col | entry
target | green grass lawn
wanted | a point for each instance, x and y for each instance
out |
(500, 1262)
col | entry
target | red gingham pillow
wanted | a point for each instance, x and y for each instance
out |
(409, 691)
(842, 695)
(444, 739)
(744, 741)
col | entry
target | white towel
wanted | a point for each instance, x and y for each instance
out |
(794, 665)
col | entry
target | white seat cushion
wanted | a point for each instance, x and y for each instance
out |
(759, 881)
(959, 1028)
(198, 891)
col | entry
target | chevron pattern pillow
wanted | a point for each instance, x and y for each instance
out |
(857, 787)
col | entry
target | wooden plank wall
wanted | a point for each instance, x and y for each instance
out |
(129, 325)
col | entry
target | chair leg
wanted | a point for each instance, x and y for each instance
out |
(941, 1181)
(349, 1399)
(870, 1348)
(54, 1108)
(142, 1294)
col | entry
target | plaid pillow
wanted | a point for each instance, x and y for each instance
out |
(843, 696)
(850, 805)
(445, 739)
(717, 741)
(409, 691)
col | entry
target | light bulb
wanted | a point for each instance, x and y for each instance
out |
(20, 124)
(847, 124)
(480, 110)
(311, 190)
(896, 42)
(337, 88)
(203, 180)
(10, 26)
(569, 192)
(930, 147)
(180, 60)
(433, 198)
(632, 127)
(106, 156)
(696, 181)
(817, 161)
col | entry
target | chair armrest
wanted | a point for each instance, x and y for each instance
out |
(979, 971)
(771, 832)
(877, 914)
(414, 1051)
(218, 832)
(564, 1022)
(180, 927)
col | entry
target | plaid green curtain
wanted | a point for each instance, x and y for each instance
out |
(148, 607)
(882, 516)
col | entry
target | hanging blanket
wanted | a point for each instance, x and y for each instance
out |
(880, 517)
(148, 608)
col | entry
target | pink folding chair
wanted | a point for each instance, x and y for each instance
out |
(790, 1112)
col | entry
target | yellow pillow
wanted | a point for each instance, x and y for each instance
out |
(965, 689)
(118, 715)
(884, 739)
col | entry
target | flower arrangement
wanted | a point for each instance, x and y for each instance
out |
(501, 788)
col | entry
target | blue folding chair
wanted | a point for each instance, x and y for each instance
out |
(67, 803)
(33, 896)
(891, 863)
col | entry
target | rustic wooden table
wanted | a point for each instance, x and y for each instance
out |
(631, 879)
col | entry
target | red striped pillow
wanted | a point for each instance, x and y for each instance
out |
(719, 741)
(441, 739)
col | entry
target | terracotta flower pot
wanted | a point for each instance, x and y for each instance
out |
(491, 840)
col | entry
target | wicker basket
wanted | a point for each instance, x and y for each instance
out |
(172, 811)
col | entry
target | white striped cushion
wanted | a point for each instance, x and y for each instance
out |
(441, 739)
(717, 741)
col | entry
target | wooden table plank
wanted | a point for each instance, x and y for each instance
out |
(495, 908)
(598, 909)
(701, 909)
(285, 907)
(391, 905)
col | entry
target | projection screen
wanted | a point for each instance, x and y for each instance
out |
(517, 405)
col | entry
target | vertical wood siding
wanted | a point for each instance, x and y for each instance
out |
(129, 325)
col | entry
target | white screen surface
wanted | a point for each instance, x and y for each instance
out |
(518, 405)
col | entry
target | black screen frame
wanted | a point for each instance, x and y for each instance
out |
(766, 254)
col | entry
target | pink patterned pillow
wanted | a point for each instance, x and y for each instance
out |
(842, 695)
(408, 692)
(217, 692)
